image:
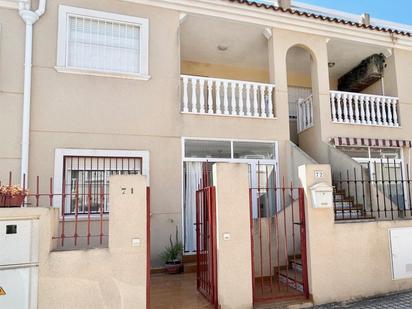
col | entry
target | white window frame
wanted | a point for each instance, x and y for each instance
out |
(252, 162)
(60, 153)
(67, 11)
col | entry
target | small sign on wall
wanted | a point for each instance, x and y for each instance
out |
(319, 174)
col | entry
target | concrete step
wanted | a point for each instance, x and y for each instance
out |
(296, 265)
(293, 278)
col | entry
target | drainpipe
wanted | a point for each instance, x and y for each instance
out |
(30, 18)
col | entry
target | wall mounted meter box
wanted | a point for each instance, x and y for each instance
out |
(19, 260)
(322, 195)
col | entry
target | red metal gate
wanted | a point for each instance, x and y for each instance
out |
(206, 243)
(277, 223)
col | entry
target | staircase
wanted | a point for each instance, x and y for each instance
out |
(346, 209)
(293, 274)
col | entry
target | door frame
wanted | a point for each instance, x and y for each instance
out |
(274, 162)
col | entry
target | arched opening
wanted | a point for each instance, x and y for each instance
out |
(300, 67)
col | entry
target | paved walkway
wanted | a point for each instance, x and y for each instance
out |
(394, 301)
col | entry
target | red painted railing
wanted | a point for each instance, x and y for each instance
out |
(278, 242)
(206, 243)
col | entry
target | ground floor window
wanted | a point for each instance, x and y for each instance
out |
(85, 178)
(385, 168)
(263, 172)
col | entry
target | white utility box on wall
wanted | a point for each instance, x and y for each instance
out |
(322, 195)
(19, 259)
(401, 248)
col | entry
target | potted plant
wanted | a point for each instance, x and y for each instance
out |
(172, 256)
(12, 196)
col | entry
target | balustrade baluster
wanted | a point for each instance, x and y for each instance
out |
(362, 108)
(194, 95)
(270, 102)
(262, 101)
(218, 101)
(395, 104)
(185, 95)
(350, 107)
(255, 100)
(210, 96)
(225, 98)
(333, 106)
(356, 99)
(345, 108)
(233, 99)
(241, 99)
(368, 114)
(373, 112)
(339, 103)
(389, 114)
(378, 111)
(202, 95)
(384, 114)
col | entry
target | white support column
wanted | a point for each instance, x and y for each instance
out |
(339, 103)
(241, 107)
(255, 101)
(333, 106)
(218, 101)
(248, 113)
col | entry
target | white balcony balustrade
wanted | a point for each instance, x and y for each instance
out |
(212, 96)
(305, 113)
(364, 109)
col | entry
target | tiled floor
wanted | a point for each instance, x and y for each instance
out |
(396, 301)
(176, 292)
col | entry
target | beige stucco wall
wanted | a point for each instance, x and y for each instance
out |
(346, 260)
(101, 278)
(11, 89)
(224, 71)
(92, 112)
(233, 255)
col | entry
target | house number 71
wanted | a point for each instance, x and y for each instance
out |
(124, 191)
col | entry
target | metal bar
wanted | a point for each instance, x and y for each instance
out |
(390, 186)
(37, 191)
(363, 191)
(51, 192)
(101, 212)
(148, 247)
(198, 239)
(409, 188)
(377, 189)
(349, 196)
(269, 218)
(305, 279)
(293, 232)
(260, 230)
(63, 209)
(76, 210)
(286, 235)
(252, 247)
(89, 208)
(396, 185)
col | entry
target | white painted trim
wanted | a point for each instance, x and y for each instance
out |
(60, 153)
(102, 73)
(66, 11)
(9, 4)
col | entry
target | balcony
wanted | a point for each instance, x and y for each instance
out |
(364, 109)
(224, 97)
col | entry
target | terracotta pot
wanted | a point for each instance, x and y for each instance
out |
(11, 201)
(175, 267)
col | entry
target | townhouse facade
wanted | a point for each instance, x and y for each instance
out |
(160, 87)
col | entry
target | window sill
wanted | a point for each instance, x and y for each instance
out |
(102, 74)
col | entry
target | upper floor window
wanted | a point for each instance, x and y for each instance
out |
(102, 42)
